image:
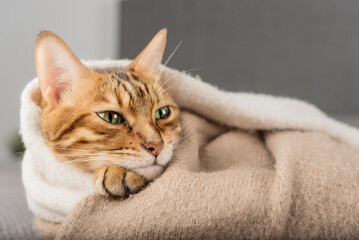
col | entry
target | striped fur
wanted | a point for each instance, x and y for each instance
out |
(81, 138)
(124, 156)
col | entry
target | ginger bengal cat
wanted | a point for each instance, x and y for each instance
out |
(118, 123)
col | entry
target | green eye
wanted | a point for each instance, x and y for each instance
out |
(111, 117)
(162, 113)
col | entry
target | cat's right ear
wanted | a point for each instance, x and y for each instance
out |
(56, 66)
(149, 60)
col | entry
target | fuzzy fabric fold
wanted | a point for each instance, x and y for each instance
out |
(53, 189)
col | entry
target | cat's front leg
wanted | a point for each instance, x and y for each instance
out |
(117, 182)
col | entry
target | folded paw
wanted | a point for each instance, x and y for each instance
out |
(117, 182)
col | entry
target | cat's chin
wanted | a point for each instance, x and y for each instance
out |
(150, 172)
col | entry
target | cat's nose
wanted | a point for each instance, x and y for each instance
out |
(154, 147)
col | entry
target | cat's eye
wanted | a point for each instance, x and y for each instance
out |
(111, 117)
(162, 113)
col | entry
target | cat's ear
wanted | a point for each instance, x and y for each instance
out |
(56, 66)
(149, 60)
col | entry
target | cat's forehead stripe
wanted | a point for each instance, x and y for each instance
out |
(136, 88)
(127, 89)
(122, 76)
(136, 95)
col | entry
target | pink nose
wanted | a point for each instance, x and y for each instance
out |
(154, 147)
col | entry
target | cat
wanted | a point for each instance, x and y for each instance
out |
(118, 123)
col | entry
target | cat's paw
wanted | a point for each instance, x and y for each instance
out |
(117, 182)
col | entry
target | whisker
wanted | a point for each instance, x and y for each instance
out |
(185, 71)
(89, 150)
(104, 154)
(77, 149)
(100, 159)
(193, 69)
(77, 161)
(166, 62)
(174, 84)
(170, 56)
(164, 83)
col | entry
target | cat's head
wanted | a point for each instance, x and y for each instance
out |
(120, 117)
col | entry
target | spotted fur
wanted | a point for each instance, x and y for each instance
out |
(79, 137)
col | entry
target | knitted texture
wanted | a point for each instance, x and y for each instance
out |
(231, 184)
(222, 182)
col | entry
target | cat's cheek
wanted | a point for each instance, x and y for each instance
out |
(165, 156)
(150, 172)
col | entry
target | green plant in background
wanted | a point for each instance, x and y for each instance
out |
(15, 144)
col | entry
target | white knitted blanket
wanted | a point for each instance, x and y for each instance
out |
(53, 189)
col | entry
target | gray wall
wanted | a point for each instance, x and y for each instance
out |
(300, 48)
(90, 27)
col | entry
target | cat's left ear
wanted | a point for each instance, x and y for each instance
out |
(149, 60)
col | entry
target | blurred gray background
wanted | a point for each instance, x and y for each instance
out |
(299, 48)
(90, 27)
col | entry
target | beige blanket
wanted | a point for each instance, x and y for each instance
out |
(280, 169)
(234, 184)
